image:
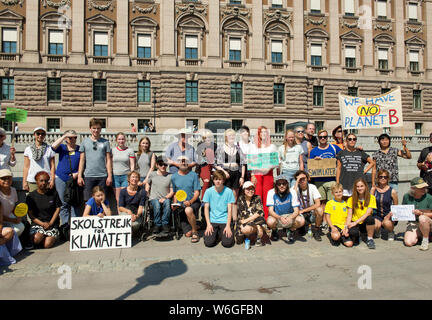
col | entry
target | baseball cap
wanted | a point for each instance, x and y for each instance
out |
(160, 159)
(39, 128)
(418, 183)
(248, 184)
(183, 158)
(5, 173)
(2, 132)
(281, 177)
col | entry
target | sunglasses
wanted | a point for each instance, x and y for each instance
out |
(282, 183)
(323, 137)
(339, 131)
(352, 139)
(95, 145)
(383, 177)
(72, 137)
(252, 189)
(300, 131)
(162, 164)
(40, 133)
(361, 205)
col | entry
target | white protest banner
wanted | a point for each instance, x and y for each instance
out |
(93, 233)
(403, 212)
(371, 112)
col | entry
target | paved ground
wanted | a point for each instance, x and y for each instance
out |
(181, 270)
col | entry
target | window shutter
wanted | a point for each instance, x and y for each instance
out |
(101, 38)
(144, 40)
(316, 50)
(350, 52)
(235, 44)
(9, 35)
(191, 42)
(277, 46)
(56, 36)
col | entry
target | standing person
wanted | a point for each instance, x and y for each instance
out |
(38, 157)
(350, 165)
(133, 128)
(324, 151)
(306, 145)
(338, 137)
(422, 164)
(16, 132)
(161, 193)
(123, 160)
(178, 149)
(151, 127)
(7, 153)
(387, 158)
(187, 180)
(43, 209)
(290, 156)
(245, 146)
(206, 153)
(218, 203)
(69, 157)
(385, 196)
(97, 205)
(96, 158)
(145, 159)
(360, 208)
(310, 131)
(263, 178)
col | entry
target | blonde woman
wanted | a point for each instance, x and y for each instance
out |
(146, 159)
(290, 155)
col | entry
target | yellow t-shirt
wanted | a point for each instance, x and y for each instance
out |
(358, 212)
(338, 212)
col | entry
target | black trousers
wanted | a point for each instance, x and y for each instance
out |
(354, 233)
(218, 235)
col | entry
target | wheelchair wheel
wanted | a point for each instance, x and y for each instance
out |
(147, 223)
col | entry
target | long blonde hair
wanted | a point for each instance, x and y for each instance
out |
(285, 139)
(139, 145)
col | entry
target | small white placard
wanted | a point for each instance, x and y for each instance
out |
(403, 212)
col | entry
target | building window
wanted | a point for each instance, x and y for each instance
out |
(278, 93)
(418, 128)
(235, 49)
(103, 121)
(192, 124)
(54, 89)
(9, 40)
(412, 11)
(279, 126)
(191, 91)
(235, 2)
(6, 124)
(316, 55)
(144, 46)
(387, 130)
(53, 125)
(143, 125)
(385, 90)
(236, 92)
(417, 105)
(276, 3)
(319, 125)
(383, 59)
(101, 44)
(382, 9)
(191, 49)
(315, 6)
(276, 54)
(353, 91)
(236, 124)
(349, 7)
(350, 57)
(144, 91)
(7, 89)
(55, 42)
(414, 60)
(99, 90)
(318, 95)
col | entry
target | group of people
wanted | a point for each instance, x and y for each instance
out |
(237, 199)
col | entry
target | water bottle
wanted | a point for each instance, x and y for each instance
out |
(247, 244)
(309, 231)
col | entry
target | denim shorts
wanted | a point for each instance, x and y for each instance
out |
(120, 181)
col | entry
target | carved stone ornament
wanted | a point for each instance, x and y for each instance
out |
(278, 15)
(54, 4)
(236, 12)
(383, 27)
(322, 21)
(345, 23)
(413, 29)
(6, 71)
(191, 8)
(147, 10)
(12, 2)
(236, 78)
(102, 7)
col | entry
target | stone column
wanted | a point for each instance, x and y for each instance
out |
(168, 41)
(213, 37)
(122, 54)
(368, 44)
(299, 63)
(334, 51)
(428, 7)
(400, 39)
(31, 52)
(77, 55)
(256, 50)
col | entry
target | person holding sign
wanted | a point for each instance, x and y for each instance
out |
(43, 209)
(38, 157)
(7, 153)
(218, 203)
(385, 196)
(97, 205)
(290, 156)
(360, 208)
(422, 201)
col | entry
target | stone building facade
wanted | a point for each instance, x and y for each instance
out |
(183, 62)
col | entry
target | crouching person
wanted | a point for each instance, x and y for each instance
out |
(218, 201)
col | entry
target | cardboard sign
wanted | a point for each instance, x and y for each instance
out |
(16, 115)
(262, 161)
(94, 233)
(322, 168)
(403, 212)
(371, 112)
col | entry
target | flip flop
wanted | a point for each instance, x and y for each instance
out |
(195, 237)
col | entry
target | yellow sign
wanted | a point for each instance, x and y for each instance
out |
(21, 210)
(181, 195)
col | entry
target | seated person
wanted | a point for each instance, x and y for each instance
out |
(132, 201)
(9, 244)
(310, 202)
(360, 207)
(422, 201)
(218, 202)
(97, 205)
(187, 180)
(44, 209)
(8, 200)
(161, 192)
(250, 214)
(283, 209)
(336, 211)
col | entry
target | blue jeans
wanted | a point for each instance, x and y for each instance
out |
(290, 175)
(166, 211)
(66, 211)
(394, 185)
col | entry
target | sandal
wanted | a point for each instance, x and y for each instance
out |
(195, 237)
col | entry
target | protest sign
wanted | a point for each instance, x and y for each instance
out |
(262, 161)
(93, 233)
(16, 115)
(322, 168)
(403, 212)
(371, 112)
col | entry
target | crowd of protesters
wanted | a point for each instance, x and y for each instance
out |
(237, 199)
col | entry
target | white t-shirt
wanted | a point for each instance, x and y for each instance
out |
(8, 203)
(245, 147)
(41, 165)
(313, 195)
(290, 158)
(255, 150)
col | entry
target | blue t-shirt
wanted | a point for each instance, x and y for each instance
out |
(219, 203)
(188, 183)
(63, 170)
(331, 152)
(173, 152)
(95, 209)
(125, 199)
(281, 205)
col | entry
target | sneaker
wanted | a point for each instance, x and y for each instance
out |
(157, 229)
(239, 237)
(377, 234)
(259, 243)
(274, 235)
(290, 236)
(424, 245)
(391, 236)
(29, 246)
(316, 235)
(371, 244)
(165, 229)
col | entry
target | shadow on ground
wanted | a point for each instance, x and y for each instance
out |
(154, 274)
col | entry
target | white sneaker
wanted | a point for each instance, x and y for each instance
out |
(424, 245)
(391, 236)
